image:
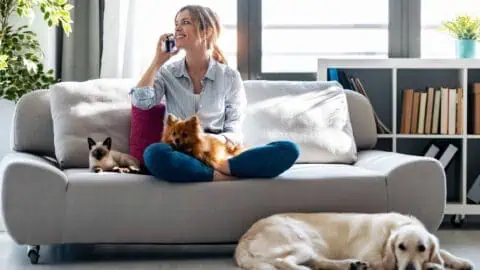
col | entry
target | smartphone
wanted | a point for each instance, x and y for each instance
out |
(169, 44)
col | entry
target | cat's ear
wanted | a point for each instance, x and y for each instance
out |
(91, 143)
(108, 143)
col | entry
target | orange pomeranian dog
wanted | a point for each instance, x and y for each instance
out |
(188, 137)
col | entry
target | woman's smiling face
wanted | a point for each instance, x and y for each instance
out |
(186, 34)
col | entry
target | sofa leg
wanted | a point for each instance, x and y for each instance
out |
(33, 253)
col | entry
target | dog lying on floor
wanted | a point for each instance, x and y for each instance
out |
(345, 241)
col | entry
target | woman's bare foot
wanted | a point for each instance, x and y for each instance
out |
(218, 176)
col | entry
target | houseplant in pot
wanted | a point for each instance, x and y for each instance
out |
(466, 31)
(21, 57)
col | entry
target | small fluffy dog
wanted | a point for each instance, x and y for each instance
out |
(103, 158)
(188, 137)
(343, 241)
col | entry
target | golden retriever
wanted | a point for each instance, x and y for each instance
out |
(342, 241)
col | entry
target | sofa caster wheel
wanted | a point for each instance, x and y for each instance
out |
(33, 254)
(458, 221)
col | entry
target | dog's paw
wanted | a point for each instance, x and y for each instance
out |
(433, 266)
(358, 265)
(116, 169)
(97, 170)
(462, 265)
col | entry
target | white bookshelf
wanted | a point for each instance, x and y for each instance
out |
(462, 71)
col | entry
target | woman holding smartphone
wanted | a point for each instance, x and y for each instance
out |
(202, 83)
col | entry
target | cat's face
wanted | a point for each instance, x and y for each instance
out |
(99, 150)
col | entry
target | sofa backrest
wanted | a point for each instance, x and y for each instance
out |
(362, 119)
(33, 126)
(32, 129)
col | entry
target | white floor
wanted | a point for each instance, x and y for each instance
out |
(13, 257)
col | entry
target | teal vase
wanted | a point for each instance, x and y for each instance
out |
(466, 48)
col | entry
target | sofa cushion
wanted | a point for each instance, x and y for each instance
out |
(143, 132)
(96, 108)
(32, 129)
(208, 212)
(312, 114)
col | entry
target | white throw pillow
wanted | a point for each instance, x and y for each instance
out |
(312, 114)
(96, 108)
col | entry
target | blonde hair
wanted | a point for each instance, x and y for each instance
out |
(208, 25)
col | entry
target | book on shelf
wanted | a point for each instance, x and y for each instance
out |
(407, 111)
(474, 191)
(432, 111)
(429, 110)
(476, 108)
(459, 111)
(446, 156)
(416, 102)
(452, 112)
(436, 112)
(444, 111)
(432, 151)
(421, 113)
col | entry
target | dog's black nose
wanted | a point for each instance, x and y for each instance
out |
(177, 141)
(410, 266)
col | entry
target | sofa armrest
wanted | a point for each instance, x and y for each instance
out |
(416, 185)
(33, 198)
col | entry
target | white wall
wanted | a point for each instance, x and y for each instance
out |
(45, 35)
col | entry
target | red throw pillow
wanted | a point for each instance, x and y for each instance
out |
(146, 127)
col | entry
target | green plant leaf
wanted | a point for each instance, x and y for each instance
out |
(30, 65)
(3, 61)
(463, 27)
(21, 55)
(68, 7)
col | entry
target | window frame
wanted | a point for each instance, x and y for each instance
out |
(404, 29)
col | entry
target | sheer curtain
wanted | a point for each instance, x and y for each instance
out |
(132, 29)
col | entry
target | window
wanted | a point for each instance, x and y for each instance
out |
(296, 33)
(436, 43)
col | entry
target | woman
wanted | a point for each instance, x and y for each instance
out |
(201, 83)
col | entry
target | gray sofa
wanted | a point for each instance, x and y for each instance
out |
(43, 204)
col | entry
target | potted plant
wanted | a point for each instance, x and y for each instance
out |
(466, 31)
(21, 67)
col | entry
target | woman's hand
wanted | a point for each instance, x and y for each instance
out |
(162, 56)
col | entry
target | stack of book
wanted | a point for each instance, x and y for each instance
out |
(434, 111)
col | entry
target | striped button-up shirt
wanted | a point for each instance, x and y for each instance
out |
(220, 105)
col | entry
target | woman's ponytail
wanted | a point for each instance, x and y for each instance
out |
(218, 55)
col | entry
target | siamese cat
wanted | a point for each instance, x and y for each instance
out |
(102, 158)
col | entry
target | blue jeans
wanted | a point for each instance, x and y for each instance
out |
(267, 161)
